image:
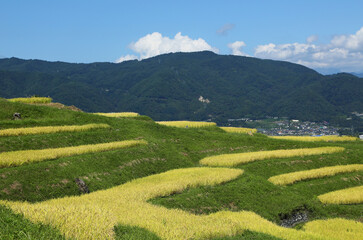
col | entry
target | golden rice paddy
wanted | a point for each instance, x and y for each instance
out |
(32, 100)
(50, 129)
(352, 195)
(336, 228)
(331, 138)
(239, 130)
(187, 124)
(229, 160)
(16, 158)
(290, 178)
(93, 216)
(119, 114)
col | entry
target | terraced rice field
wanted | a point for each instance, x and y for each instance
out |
(94, 216)
(352, 195)
(139, 188)
(50, 129)
(16, 158)
(187, 124)
(31, 100)
(331, 138)
(239, 130)
(119, 114)
(229, 160)
(290, 178)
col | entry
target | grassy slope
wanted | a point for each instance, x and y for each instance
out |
(168, 148)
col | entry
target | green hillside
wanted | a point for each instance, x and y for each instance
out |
(168, 87)
(167, 148)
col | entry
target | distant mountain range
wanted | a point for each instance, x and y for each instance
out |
(195, 86)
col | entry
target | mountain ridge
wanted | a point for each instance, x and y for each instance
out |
(168, 86)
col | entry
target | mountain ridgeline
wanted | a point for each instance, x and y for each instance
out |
(194, 86)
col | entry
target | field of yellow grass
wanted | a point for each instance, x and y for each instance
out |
(336, 228)
(239, 130)
(93, 216)
(331, 138)
(32, 100)
(352, 195)
(187, 124)
(119, 114)
(50, 129)
(16, 158)
(290, 178)
(229, 160)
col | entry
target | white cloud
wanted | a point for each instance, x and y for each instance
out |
(155, 44)
(312, 38)
(225, 29)
(236, 48)
(128, 57)
(343, 53)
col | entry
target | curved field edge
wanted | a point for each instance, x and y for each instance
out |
(50, 129)
(94, 216)
(230, 160)
(352, 195)
(290, 178)
(16, 158)
(332, 138)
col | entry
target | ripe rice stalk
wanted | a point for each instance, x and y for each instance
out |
(229, 160)
(331, 138)
(119, 114)
(352, 195)
(336, 228)
(239, 130)
(290, 178)
(93, 216)
(32, 100)
(50, 129)
(187, 124)
(16, 158)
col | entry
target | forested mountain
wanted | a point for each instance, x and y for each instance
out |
(195, 86)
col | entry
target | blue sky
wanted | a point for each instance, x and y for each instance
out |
(324, 35)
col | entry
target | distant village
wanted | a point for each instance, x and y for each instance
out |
(274, 126)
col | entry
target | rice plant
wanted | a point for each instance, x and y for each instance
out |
(331, 138)
(240, 158)
(119, 114)
(16, 158)
(50, 129)
(239, 130)
(93, 216)
(336, 228)
(290, 178)
(352, 195)
(32, 100)
(187, 124)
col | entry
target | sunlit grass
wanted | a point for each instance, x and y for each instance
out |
(187, 124)
(290, 178)
(16, 158)
(50, 129)
(352, 195)
(240, 158)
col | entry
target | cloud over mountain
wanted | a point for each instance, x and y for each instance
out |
(343, 52)
(155, 44)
